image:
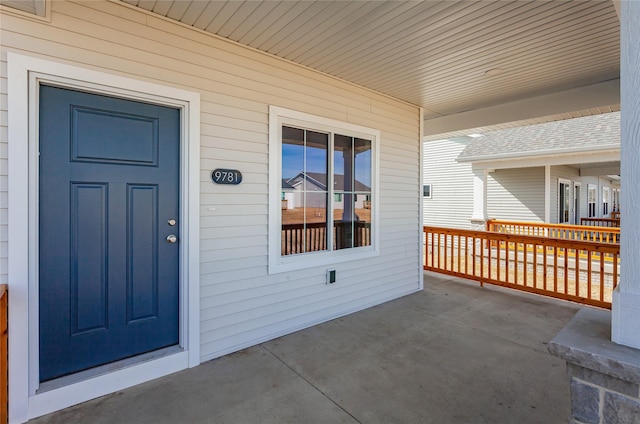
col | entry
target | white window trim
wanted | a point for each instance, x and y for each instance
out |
(606, 189)
(595, 202)
(277, 263)
(25, 73)
(576, 213)
(430, 191)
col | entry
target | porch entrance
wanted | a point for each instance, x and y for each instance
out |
(108, 229)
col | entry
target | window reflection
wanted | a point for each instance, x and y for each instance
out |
(352, 179)
(304, 190)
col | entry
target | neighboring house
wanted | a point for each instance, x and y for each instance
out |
(557, 172)
(135, 112)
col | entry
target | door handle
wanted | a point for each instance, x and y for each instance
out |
(171, 238)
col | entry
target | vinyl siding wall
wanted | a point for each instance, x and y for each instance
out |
(451, 203)
(241, 304)
(516, 194)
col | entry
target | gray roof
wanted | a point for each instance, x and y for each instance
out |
(595, 132)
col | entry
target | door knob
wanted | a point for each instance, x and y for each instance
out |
(171, 238)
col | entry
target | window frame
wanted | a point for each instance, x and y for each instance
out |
(606, 201)
(561, 209)
(430, 191)
(278, 117)
(592, 207)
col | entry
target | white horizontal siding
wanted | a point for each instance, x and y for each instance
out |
(451, 203)
(516, 194)
(242, 304)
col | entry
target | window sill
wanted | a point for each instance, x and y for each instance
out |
(316, 259)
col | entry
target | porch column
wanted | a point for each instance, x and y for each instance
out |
(626, 298)
(605, 374)
(547, 194)
(479, 216)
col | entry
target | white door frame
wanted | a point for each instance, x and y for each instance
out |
(569, 184)
(24, 75)
(577, 199)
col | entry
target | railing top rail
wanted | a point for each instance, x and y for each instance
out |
(558, 226)
(518, 238)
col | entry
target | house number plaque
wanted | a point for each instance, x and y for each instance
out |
(226, 176)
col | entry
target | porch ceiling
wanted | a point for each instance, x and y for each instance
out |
(450, 57)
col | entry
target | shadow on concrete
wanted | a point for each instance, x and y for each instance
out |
(453, 353)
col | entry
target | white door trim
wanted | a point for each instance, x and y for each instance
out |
(24, 75)
(570, 185)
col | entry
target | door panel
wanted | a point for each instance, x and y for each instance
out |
(142, 246)
(88, 253)
(108, 183)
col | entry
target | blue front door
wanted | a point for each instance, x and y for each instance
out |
(108, 200)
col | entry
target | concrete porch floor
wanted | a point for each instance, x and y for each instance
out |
(453, 353)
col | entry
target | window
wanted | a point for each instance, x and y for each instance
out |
(426, 191)
(592, 200)
(605, 201)
(329, 168)
(615, 196)
(564, 202)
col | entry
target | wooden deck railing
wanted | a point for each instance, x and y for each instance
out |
(601, 222)
(4, 354)
(312, 237)
(600, 234)
(580, 271)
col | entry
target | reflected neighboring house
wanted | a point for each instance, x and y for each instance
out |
(287, 195)
(555, 172)
(294, 188)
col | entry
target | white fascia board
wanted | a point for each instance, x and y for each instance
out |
(552, 153)
(559, 157)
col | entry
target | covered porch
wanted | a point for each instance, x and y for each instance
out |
(455, 352)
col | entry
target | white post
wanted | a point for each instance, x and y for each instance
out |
(547, 194)
(625, 325)
(479, 216)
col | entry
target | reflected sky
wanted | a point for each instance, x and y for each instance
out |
(316, 161)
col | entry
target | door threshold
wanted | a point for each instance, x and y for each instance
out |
(132, 372)
(70, 379)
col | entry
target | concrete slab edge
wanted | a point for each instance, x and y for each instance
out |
(586, 342)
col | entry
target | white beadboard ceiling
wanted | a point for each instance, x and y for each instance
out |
(430, 53)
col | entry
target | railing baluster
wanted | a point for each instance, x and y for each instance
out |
(602, 279)
(535, 265)
(555, 269)
(488, 247)
(482, 258)
(545, 271)
(566, 270)
(515, 261)
(459, 252)
(577, 272)
(524, 262)
(589, 288)
(498, 266)
(614, 271)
